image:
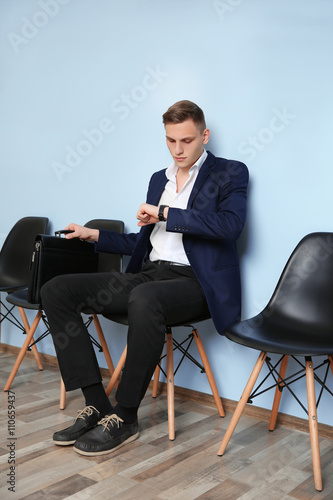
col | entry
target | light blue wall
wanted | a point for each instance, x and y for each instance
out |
(262, 72)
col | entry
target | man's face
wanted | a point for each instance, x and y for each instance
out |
(185, 142)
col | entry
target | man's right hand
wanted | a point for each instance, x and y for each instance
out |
(82, 232)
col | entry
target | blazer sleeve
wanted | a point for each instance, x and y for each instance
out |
(218, 211)
(113, 242)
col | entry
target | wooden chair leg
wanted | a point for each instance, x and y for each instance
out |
(170, 386)
(209, 372)
(278, 393)
(62, 395)
(313, 424)
(242, 403)
(27, 328)
(116, 372)
(156, 380)
(330, 359)
(23, 350)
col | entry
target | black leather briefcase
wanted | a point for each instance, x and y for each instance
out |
(53, 256)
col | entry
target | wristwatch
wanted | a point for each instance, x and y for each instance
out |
(161, 213)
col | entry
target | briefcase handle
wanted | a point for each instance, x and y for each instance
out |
(63, 231)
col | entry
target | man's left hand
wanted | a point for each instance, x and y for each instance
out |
(147, 214)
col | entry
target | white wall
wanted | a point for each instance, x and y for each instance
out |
(262, 73)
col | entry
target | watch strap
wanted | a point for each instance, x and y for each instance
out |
(161, 213)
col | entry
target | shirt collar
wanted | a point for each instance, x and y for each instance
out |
(172, 169)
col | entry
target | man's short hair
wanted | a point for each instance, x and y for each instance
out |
(185, 110)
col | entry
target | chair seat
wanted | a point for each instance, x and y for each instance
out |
(19, 298)
(117, 318)
(10, 286)
(281, 335)
(122, 319)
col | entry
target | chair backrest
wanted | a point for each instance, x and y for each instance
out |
(304, 293)
(108, 261)
(16, 252)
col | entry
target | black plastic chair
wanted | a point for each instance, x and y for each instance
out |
(171, 345)
(15, 258)
(19, 299)
(298, 321)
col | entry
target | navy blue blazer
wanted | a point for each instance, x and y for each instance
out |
(211, 223)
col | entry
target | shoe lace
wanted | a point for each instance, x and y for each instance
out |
(110, 421)
(87, 411)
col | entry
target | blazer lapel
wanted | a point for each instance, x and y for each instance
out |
(156, 188)
(202, 176)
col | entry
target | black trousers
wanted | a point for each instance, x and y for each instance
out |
(157, 296)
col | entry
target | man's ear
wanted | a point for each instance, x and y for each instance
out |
(205, 135)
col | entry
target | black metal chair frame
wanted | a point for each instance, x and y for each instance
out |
(9, 316)
(184, 351)
(285, 382)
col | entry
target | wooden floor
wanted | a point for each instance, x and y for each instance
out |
(257, 465)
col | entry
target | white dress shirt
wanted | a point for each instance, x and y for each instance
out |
(168, 245)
